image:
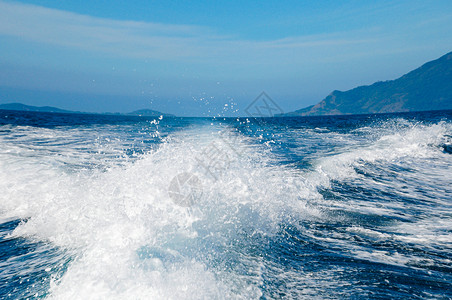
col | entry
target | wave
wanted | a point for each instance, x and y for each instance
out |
(127, 238)
(117, 223)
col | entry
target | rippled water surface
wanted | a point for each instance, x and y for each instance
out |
(97, 207)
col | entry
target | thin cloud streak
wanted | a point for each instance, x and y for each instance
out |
(131, 39)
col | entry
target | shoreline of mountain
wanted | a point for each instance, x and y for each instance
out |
(30, 108)
(428, 87)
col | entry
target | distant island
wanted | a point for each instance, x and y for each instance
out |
(23, 107)
(426, 88)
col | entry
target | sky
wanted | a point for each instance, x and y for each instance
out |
(209, 58)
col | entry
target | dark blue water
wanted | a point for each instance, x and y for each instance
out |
(96, 206)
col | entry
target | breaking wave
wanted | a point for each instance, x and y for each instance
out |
(96, 200)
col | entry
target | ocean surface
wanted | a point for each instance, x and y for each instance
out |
(116, 207)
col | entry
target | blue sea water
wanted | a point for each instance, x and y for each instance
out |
(116, 207)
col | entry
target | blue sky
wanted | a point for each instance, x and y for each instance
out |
(193, 57)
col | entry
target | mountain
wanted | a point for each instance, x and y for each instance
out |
(148, 113)
(426, 88)
(23, 107)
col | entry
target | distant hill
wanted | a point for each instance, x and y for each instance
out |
(23, 107)
(426, 88)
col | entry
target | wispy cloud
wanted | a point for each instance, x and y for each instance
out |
(125, 38)
(143, 39)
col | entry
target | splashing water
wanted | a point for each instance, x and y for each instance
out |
(296, 208)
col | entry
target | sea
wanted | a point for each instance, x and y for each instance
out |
(128, 207)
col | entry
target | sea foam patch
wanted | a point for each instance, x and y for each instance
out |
(113, 213)
(109, 217)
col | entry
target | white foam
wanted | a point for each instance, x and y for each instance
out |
(106, 217)
(426, 182)
(412, 142)
(130, 240)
